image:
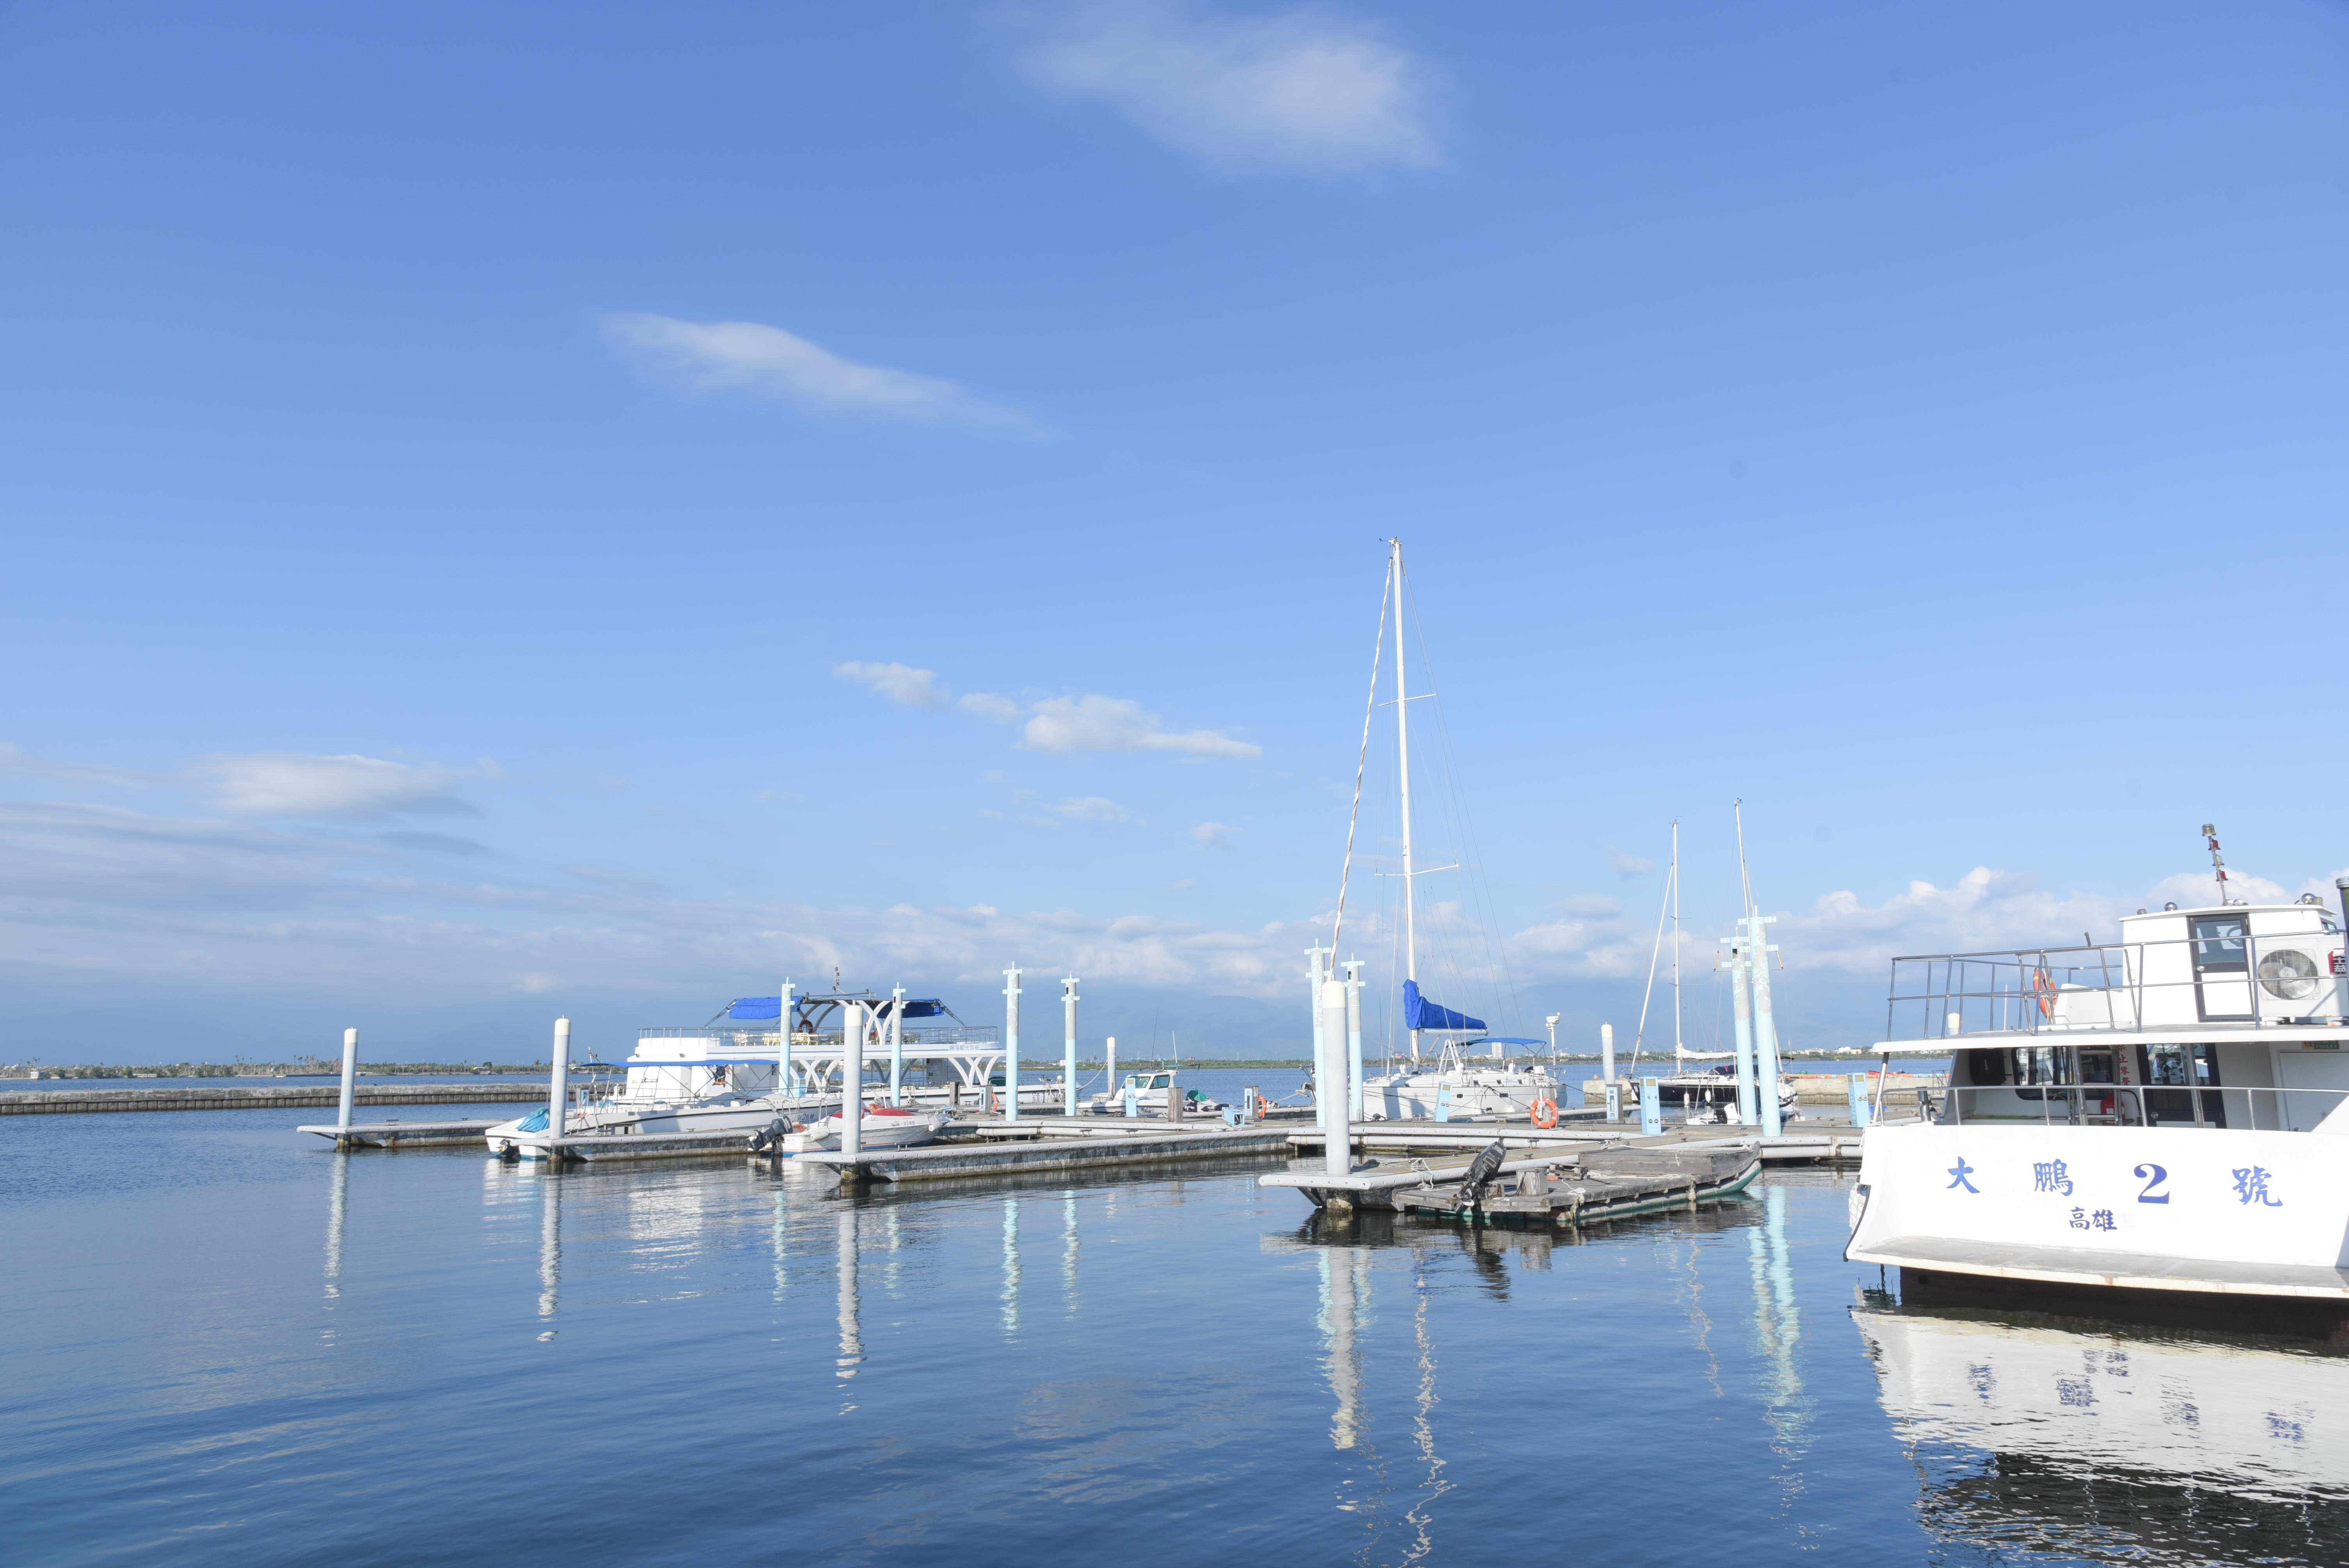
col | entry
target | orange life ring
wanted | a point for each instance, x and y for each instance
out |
(2043, 987)
(1263, 1106)
(1545, 1112)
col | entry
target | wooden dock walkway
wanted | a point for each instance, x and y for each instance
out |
(227, 1097)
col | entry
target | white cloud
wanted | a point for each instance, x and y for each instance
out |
(1628, 865)
(1093, 809)
(898, 683)
(1213, 835)
(751, 356)
(1070, 724)
(987, 705)
(290, 784)
(1301, 90)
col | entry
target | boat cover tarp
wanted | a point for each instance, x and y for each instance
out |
(1419, 1013)
(770, 1006)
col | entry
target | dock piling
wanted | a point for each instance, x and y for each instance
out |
(351, 1077)
(851, 1079)
(1011, 1044)
(1069, 1047)
(1338, 1140)
(558, 1092)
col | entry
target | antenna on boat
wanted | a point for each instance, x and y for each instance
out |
(2210, 832)
(1680, 1048)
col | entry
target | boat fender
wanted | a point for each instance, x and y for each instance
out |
(1545, 1113)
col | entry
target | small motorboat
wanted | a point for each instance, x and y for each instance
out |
(880, 1126)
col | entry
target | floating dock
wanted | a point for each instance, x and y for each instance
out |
(400, 1134)
(1821, 1143)
(204, 1097)
(1024, 1147)
(1552, 1184)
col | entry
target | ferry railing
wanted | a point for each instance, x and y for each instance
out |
(2244, 980)
(958, 1037)
(2251, 1107)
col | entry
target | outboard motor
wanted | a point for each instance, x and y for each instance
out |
(1481, 1171)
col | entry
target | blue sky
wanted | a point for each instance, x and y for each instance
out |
(481, 489)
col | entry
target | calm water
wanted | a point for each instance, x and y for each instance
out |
(225, 1343)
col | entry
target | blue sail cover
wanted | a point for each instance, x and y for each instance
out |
(1419, 1013)
(752, 1007)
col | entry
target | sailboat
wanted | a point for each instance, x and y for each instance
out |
(1456, 1088)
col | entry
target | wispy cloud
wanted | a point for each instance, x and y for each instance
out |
(1301, 90)
(987, 705)
(766, 361)
(1093, 809)
(1628, 865)
(352, 788)
(1070, 724)
(898, 683)
(25, 765)
(1213, 835)
(1060, 725)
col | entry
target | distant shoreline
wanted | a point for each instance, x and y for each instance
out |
(277, 1070)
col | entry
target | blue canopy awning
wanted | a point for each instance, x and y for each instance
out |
(756, 1008)
(1419, 1013)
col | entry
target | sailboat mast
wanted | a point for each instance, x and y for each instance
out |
(1680, 1049)
(1402, 753)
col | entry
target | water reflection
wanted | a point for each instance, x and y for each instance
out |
(2116, 1448)
(1777, 1336)
(846, 1305)
(338, 1190)
(1345, 1306)
(1069, 1252)
(550, 1251)
(1011, 1268)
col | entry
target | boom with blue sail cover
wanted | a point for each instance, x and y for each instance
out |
(1419, 1013)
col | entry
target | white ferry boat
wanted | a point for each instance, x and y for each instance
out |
(2156, 1120)
(731, 1072)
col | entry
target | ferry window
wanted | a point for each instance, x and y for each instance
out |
(2219, 942)
(2096, 1066)
(2324, 922)
(1984, 1068)
(2166, 1066)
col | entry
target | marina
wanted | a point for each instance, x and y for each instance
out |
(1369, 1378)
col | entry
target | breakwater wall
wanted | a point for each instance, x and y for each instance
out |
(202, 1096)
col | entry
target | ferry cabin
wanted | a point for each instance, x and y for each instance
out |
(2163, 1113)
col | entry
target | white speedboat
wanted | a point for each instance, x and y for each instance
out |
(2155, 1118)
(1148, 1092)
(879, 1126)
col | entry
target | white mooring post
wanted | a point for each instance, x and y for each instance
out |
(897, 1048)
(1359, 1111)
(350, 1072)
(1337, 1129)
(1111, 1080)
(1749, 1107)
(1011, 1044)
(1607, 1053)
(783, 1041)
(558, 1091)
(852, 1078)
(1069, 1046)
(1765, 1028)
(1313, 999)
